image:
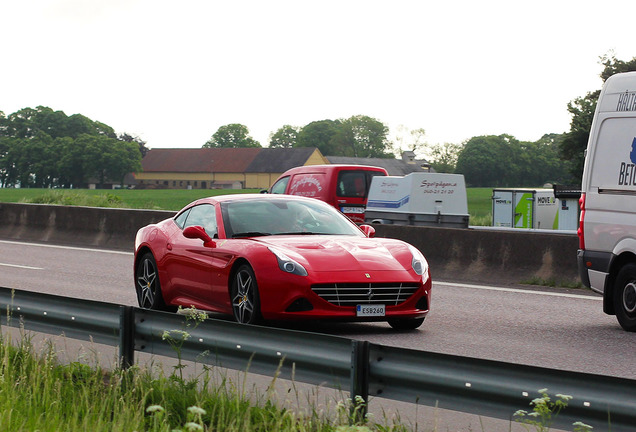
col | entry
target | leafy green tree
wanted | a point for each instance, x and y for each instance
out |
(43, 148)
(410, 140)
(120, 158)
(362, 136)
(485, 160)
(233, 135)
(320, 134)
(574, 143)
(28, 122)
(8, 173)
(141, 143)
(284, 137)
(443, 157)
(504, 161)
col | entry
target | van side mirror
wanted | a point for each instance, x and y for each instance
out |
(198, 232)
(368, 230)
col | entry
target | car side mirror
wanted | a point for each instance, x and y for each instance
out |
(368, 230)
(198, 232)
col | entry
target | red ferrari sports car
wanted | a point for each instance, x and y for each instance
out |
(277, 257)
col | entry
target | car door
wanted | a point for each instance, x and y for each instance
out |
(196, 271)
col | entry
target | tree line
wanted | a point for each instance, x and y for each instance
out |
(493, 160)
(45, 148)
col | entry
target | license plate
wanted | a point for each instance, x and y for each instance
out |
(357, 210)
(370, 310)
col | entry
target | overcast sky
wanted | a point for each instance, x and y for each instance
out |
(173, 72)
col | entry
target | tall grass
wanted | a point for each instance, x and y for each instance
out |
(37, 392)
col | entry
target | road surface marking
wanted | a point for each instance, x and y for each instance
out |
(20, 266)
(66, 247)
(521, 291)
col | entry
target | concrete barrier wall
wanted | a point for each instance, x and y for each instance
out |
(492, 256)
(72, 225)
(467, 255)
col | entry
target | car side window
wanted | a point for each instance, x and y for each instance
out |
(280, 186)
(181, 218)
(203, 215)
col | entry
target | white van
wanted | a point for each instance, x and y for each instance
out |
(607, 225)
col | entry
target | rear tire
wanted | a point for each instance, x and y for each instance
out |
(147, 284)
(625, 297)
(406, 324)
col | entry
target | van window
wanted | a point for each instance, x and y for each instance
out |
(280, 186)
(355, 183)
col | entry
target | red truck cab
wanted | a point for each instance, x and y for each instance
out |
(346, 187)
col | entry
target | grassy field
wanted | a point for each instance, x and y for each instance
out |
(162, 199)
(479, 199)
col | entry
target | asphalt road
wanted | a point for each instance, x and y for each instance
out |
(561, 329)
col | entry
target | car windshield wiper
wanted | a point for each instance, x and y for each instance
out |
(250, 234)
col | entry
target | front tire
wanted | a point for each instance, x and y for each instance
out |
(147, 284)
(625, 297)
(246, 304)
(406, 324)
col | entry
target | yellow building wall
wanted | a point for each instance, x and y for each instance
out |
(260, 180)
(150, 176)
(181, 180)
(316, 158)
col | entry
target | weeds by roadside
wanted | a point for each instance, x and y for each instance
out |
(553, 282)
(37, 392)
(544, 410)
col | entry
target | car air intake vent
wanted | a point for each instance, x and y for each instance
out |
(351, 294)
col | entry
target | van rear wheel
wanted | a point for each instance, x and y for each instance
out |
(625, 297)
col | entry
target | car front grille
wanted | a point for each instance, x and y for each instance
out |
(351, 294)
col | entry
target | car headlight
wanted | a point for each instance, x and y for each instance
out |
(418, 262)
(287, 264)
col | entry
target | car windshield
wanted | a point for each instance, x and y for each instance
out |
(259, 217)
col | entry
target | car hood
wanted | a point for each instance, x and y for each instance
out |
(343, 253)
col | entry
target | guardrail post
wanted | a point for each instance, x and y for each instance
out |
(126, 336)
(359, 379)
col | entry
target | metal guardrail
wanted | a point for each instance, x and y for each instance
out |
(484, 387)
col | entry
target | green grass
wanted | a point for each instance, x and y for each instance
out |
(479, 199)
(479, 206)
(160, 199)
(37, 392)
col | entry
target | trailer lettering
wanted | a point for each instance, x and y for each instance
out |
(436, 184)
(626, 102)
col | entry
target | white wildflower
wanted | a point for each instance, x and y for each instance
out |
(196, 410)
(154, 409)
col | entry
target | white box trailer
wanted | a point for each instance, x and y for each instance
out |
(524, 208)
(418, 199)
